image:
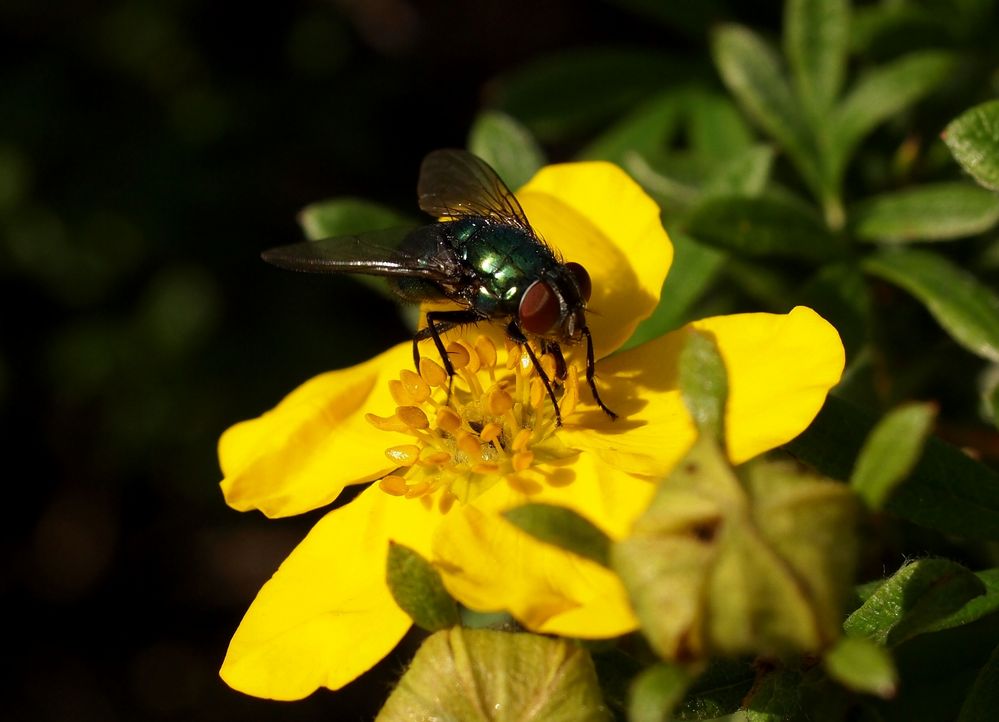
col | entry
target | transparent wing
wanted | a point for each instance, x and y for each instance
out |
(455, 183)
(393, 252)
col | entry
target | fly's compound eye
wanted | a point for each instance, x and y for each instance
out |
(582, 279)
(539, 309)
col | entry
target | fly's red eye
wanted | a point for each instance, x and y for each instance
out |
(539, 309)
(582, 279)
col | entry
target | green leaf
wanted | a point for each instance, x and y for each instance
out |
(507, 146)
(891, 452)
(656, 692)
(816, 39)
(563, 528)
(881, 94)
(753, 73)
(344, 216)
(573, 93)
(644, 130)
(938, 212)
(703, 383)
(745, 173)
(776, 697)
(418, 590)
(862, 666)
(973, 139)
(763, 227)
(968, 310)
(840, 293)
(716, 128)
(975, 608)
(948, 490)
(983, 698)
(915, 599)
(481, 675)
(680, 291)
(718, 691)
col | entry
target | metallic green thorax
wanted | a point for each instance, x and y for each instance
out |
(496, 264)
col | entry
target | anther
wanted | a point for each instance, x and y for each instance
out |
(538, 392)
(491, 432)
(386, 423)
(413, 417)
(521, 440)
(399, 393)
(433, 373)
(498, 402)
(486, 351)
(548, 365)
(405, 455)
(485, 467)
(394, 485)
(458, 355)
(469, 445)
(448, 420)
(436, 458)
(418, 489)
(417, 389)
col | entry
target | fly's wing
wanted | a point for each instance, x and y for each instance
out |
(378, 253)
(455, 183)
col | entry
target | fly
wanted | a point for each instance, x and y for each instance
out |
(485, 258)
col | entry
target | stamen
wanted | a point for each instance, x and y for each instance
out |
(405, 455)
(491, 421)
(413, 417)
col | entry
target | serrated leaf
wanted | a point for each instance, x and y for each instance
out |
(563, 528)
(913, 600)
(967, 310)
(983, 699)
(862, 666)
(948, 490)
(891, 452)
(937, 212)
(418, 589)
(765, 226)
(753, 73)
(973, 139)
(656, 692)
(680, 291)
(507, 146)
(879, 95)
(816, 38)
(703, 383)
(344, 216)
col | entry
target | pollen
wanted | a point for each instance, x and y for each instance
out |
(493, 422)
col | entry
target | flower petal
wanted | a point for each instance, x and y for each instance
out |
(596, 215)
(301, 454)
(327, 616)
(490, 565)
(780, 368)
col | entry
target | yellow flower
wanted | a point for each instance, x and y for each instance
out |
(446, 467)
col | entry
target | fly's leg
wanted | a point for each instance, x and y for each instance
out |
(517, 336)
(590, 370)
(439, 322)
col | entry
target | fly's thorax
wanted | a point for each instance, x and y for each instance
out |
(497, 424)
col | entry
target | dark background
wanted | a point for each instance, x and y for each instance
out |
(148, 152)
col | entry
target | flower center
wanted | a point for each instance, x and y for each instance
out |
(496, 423)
